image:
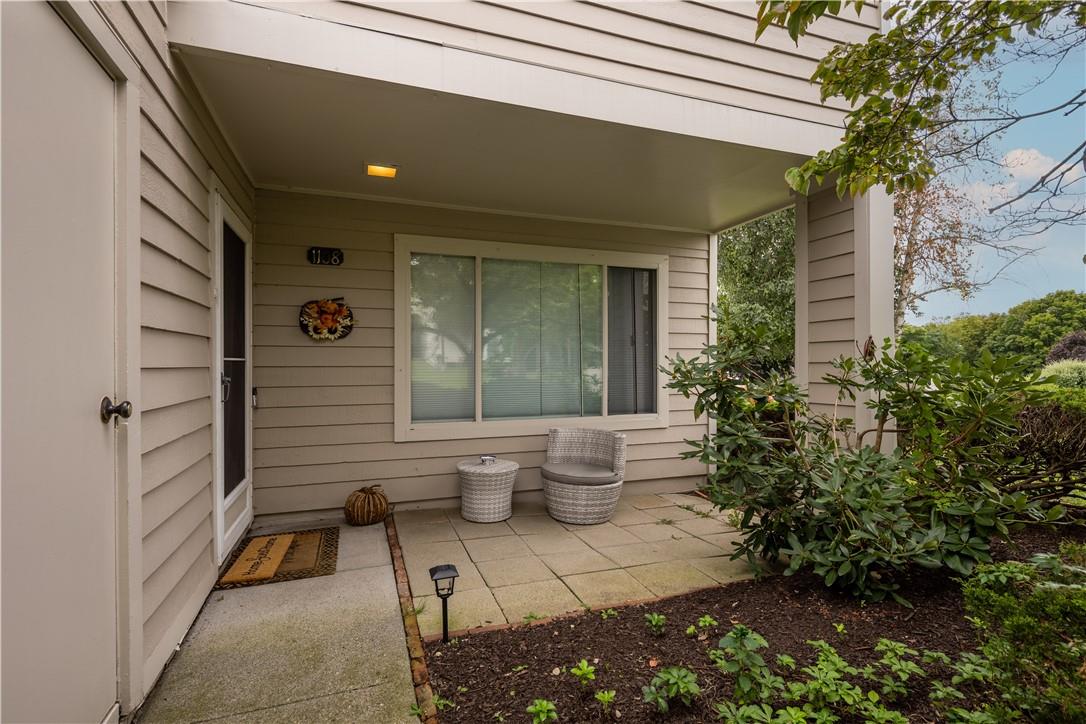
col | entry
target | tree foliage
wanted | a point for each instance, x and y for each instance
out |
(898, 82)
(1027, 330)
(1032, 327)
(934, 239)
(756, 276)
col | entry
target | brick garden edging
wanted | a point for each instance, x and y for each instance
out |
(420, 675)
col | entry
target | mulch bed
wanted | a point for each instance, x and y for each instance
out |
(477, 671)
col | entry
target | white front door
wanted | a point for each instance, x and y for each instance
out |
(59, 467)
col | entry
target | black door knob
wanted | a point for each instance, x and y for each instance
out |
(108, 409)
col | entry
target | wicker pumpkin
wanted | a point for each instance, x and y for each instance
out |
(366, 506)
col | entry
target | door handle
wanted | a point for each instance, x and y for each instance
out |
(108, 409)
(225, 387)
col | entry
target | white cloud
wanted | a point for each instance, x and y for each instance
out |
(984, 195)
(1027, 163)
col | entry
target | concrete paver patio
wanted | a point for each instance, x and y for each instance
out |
(533, 566)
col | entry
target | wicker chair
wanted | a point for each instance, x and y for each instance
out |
(582, 478)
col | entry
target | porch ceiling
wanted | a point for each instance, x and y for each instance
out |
(314, 130)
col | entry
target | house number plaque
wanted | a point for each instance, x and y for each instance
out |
(325, 255)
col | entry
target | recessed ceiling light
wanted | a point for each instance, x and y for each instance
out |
(381, 170)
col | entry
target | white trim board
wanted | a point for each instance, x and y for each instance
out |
(405, 430)
(90, 26)
(223, 212)
(272, 34)
(478, 209)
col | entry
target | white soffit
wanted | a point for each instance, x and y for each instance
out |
(300, 127)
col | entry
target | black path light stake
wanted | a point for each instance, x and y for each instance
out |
(444, 578)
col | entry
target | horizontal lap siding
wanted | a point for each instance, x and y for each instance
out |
(179, 148)
(323, 425)
(831, 289)
(700, 50)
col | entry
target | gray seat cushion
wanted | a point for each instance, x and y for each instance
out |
(579, 474)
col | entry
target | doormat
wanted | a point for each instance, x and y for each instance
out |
(310, 553)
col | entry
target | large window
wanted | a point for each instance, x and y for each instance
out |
(503, 334)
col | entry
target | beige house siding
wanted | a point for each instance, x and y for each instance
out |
(831, 284)
(844, 278)
(699, 49)
(180, 148)
(324, 421)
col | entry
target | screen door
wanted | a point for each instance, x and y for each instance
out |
(235, 386)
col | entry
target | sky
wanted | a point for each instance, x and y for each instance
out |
(1058, 262)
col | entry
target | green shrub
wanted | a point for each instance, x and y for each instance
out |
(1071, 346)
(814, 488)
(1066, 373)
(1032, 617)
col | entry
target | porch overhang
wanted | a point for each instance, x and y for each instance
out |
(306, 103)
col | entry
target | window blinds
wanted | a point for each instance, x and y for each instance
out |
(631, 341)
(541, 339)
(442, 337)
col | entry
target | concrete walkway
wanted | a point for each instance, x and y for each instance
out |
(327, 649)
(532, 566)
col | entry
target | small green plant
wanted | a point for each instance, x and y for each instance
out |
(764, 714)
(498, 716)
(519, 667)
(655, 622)
(442, 703)
(894, 669)
(416, 711)
(704, 623)
(532, 616)
(665, 521)
(606, 699)
(608, 613)
(584, 672)
(671, 684)
(737, 654)
(417, 610)
(542, 710)
(695, 511)
(840, 629)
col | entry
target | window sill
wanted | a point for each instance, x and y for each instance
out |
(429, 431)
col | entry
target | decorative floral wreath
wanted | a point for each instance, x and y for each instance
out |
(326, 320)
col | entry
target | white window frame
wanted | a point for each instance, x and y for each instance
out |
(407, 244)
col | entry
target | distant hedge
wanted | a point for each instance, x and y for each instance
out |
(1054, 434)
(1067, 373)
